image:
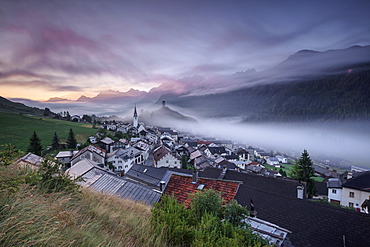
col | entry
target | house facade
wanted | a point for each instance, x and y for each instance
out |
(334, 190)
(123, 159)
(273, 161)
(163, 157)
(90, 152)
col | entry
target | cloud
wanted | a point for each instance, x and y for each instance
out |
(40, 84)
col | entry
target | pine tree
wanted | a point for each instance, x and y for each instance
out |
(55, 143)
(303, 171)
(71, 141)
(35, 146)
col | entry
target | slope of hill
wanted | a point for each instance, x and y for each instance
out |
(30, 217)
(164, 116)
(335, 97)
(19, 108)
(18, 129)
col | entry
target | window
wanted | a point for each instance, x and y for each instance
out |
(352, 194)
(120, 167)
(120, 161)
(350, 204)
(334, 191)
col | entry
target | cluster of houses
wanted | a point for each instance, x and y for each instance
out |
(351, 190)
(153, 164)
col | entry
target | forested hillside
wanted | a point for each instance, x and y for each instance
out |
(336, 97)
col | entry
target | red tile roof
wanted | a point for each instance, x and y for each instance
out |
(181, 187)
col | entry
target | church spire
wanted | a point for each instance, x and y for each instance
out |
(135, 113)
(136, 118)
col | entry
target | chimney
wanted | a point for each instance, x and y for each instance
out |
(300, 189)
(195, 176)
(161, 185)
(163, 103)
(349, 175)
(253, 212)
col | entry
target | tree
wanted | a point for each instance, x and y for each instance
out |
(52, 178)
(35, 146)
(303, 171)
(9, 154)
(71, 141)
(209, 201)
(55, 145)
(235, 213)
(184, 162)
(179, 227)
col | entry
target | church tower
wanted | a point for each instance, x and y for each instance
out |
(136, 118)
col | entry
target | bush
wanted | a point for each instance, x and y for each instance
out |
(54, 179)
(207, 223)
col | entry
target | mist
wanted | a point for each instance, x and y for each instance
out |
(347, 141)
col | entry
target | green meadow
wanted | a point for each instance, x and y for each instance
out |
(17, 129)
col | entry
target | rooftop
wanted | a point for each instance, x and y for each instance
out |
(312, 223)
(181, 187)
(361, 182)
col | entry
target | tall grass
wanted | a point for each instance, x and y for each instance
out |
(29, 217)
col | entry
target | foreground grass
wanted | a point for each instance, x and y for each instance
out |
(17, 129)
(29, 217)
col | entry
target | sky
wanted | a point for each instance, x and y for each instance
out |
(71, 48)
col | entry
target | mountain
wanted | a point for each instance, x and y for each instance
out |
(164, 116)
(8, 106)
(309, 63)
(318, 97)
(111, 96)
(56, 99)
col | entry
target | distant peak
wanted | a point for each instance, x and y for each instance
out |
(56, 99)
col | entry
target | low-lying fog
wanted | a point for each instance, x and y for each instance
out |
(349, 141)
(346, 140)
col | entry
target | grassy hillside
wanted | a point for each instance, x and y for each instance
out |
(8, 106)
(29, 217)
(18, 129)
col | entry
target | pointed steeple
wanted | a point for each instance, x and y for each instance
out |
(135, 112)
(136, 118)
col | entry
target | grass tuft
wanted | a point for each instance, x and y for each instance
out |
(29, 217)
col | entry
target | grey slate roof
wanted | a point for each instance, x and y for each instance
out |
(281, 187)
(113, 185)
(146, 174)
(108, 184)
(360, 182)
(311, 223)
(139, 193)
(152, 176)
(31, 158)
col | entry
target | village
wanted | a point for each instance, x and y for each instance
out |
(159, 160)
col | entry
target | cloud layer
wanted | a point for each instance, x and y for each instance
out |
(63, 48)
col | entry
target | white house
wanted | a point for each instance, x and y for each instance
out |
(355, 191)
(90, 152)
(80, 168)
(273, 161)
(123, 159)
(282, 159)
(65, 156)
(334, 190)
(163, 157)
